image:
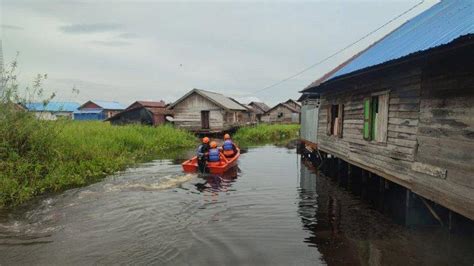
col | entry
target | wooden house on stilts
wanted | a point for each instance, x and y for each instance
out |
(401, 111)
(208, 112)
(143, 112)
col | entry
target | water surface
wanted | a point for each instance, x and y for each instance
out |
(271, 210)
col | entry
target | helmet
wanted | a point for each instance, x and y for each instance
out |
(226, 136)
(205, 140)
(213, 144)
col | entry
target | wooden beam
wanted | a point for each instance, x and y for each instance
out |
(432, 211)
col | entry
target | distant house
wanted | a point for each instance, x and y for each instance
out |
(142, 112)
(19, 107)
(97, 110)
(52, 110)
(205, 111)
(252, 114)
(285, 113)
(258, 109)
(296, 105)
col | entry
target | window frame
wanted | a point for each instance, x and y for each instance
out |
(371, 126)
(335, 111)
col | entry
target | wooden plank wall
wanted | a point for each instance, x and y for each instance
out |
(398, 152)
(446, 132)
(430, 147)
(272, 116)
(187, 114)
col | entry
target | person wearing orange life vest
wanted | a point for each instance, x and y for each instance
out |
(228, 148)
(214, 154)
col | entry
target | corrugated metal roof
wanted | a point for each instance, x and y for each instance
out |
(291, 108)
(223, 100)
(440, 24)
(53, 107)
(109, 105)
(152, 104)
(261, 106)
(217, 98)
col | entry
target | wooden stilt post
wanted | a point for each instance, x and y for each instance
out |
(349, 176)
(363, 184)
(339, 171)
(407, 207)
(450, 221)
(381, 194)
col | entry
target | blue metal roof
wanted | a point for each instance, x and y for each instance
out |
(110, 105)
(440, 24)
(53, 107)
(88, 111)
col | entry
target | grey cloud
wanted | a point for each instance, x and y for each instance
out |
(11, 27)
(111, 43)
(90, 28)
(127, 35)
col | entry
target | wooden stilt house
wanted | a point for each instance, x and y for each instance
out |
(144, 113)
(205, 111)
(402, 109)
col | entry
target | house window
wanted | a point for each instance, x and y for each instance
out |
(376, 117)
(335, 120)
(280, 115)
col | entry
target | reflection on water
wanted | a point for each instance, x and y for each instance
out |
(347, 230)
(273, 209)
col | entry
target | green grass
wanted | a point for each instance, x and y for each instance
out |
(40, 156)
(265, 133)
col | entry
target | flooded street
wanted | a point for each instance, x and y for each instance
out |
(272, 210)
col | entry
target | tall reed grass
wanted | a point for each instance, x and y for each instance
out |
(38, 156)
(41, 156)
(266, 133)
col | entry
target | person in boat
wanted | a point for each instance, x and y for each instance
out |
(202, 154)
(214, 154)
(228, 148)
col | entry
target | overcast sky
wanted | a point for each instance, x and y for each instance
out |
(152, 50)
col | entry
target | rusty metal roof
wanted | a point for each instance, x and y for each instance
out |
(151, 104)
(260, 105)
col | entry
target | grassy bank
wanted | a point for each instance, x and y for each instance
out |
(39, 156)
(264, 133)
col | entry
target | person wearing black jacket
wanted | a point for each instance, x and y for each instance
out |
(202, 153)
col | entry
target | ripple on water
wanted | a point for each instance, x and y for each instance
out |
(271, 211)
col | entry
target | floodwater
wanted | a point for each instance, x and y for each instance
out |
(272, 210)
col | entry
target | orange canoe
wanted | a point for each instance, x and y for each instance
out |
(217, 168)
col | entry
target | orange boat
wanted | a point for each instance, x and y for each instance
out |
(217, 168)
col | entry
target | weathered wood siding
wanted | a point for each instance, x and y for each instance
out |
(445, 134)
(188, 113)
(294, 105)
(430, 136)
(272, 116)
(235, 119)
(396, 154)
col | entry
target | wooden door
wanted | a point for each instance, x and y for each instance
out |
(205, 119)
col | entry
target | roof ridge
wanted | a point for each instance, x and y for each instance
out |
(209, 91)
